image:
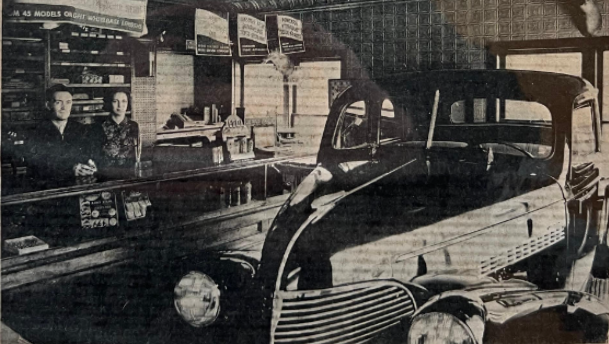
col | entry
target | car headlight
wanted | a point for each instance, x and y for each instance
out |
(444, 328)
(197, 299)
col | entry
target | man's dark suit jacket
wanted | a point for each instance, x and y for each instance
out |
(53, 156)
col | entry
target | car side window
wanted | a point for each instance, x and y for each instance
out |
(352, 128)
(391, 126)
(583, 136)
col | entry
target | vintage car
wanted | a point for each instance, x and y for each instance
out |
(445, 206)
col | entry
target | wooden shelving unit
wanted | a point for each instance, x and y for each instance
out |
(19, 109)
(21, 90)
(92, 64)
(87, 102)
(99, 85)
(88, 52)
(23, 75)
(93, 114)
(89, 62)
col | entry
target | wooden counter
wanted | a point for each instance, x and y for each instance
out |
(164, 237)
(238, 228)
(159, 174)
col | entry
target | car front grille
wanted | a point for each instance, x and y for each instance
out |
(348, 314)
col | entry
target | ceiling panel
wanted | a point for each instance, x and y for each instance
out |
(258, 5)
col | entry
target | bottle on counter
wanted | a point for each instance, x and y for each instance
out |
(236, 194)
(223, 196)
(246, 192)
(250, 145)
(206, 115)
(214, 113)
(243, 145)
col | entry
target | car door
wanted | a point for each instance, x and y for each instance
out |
(583, 179)
(347, 143)
(397, 152)
(478, 230)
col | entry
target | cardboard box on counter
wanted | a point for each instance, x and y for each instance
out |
(24, 245)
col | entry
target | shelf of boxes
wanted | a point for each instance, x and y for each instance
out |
(92, 64)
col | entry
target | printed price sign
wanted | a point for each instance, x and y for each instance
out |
(285, 33)
(251, 33)
(211, 34)
(124, 15)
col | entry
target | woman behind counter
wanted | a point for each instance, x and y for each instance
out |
(119, 137)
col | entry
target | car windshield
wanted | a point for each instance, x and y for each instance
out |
(468, 115)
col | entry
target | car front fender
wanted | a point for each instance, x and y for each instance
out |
(500, 303)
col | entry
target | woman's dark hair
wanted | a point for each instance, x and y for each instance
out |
(110, 95)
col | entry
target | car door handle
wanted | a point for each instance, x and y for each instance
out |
(352, 165)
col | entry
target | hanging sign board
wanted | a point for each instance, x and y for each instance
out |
(284, 33)
(211, 34)
(251, 36)
(125, 15)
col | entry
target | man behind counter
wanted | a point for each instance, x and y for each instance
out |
(60, 149)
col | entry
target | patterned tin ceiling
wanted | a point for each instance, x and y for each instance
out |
(259, 5)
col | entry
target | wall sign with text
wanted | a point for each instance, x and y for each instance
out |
(251, 36)
(284, 33)
(211, 34)
(124, 15)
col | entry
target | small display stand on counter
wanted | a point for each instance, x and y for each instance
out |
(198, 138)
(238, 140)
(190, 142)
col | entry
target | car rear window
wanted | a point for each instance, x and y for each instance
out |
(502, 111)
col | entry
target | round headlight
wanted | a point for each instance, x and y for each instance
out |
(440, 328)
(197, 299)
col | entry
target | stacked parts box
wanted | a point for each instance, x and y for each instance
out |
(24, 245)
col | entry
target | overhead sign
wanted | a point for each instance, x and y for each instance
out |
(211, 34)
(284, 33)
(124, 15)
(251, 36)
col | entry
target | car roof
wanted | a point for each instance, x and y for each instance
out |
(543, 84)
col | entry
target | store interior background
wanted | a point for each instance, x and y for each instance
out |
(343, 39)
(351, 39)
(371, 39)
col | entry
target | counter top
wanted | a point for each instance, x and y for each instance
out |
(156, 174)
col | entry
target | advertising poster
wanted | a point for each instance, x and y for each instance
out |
(284, 33)
(127, 15)
(251, 36)
(211, 34)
